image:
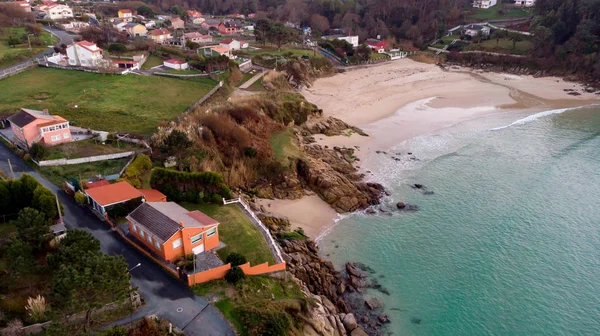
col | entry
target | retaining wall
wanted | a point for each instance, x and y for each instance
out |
(63, 162)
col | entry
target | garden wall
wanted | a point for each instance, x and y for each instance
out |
(62, 162)
(221, 271)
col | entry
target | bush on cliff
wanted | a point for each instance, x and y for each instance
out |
(234, 275)
(192, 187)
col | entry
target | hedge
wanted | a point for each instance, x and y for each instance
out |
(190, 187)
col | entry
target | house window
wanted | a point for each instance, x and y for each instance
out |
(66, 135)
(211, 232)
(197, 238)
(177, 243)
(56, 138)
(135, 228)
(149, 239)
(157, 244)
(142, 233)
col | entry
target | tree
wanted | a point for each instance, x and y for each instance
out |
(498, 35)
(177, 140)
(37, 151)
(515, 37)
(145, 11)
(363, 52)
(235, 259)
(234, 275)
(72, 248)
(5, 197)
(261, 30)
(279, 34)
(13, 41)
(19, 257)
(32, 227)
(192, 45)
(117, 48)
(319, 22)
(45, 201)
(80, 198)
(96, 280)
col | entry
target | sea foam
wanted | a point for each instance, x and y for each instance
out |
(537, 116)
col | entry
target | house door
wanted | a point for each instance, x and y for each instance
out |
(198, 249)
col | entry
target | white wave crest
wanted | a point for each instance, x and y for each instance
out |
(537, 116)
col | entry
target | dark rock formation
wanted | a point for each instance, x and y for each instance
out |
(373, 304)
(383, 318)
(400, 205)
(331, 126)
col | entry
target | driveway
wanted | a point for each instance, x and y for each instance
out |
(165, 295)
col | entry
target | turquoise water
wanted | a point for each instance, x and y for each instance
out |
(509, 244)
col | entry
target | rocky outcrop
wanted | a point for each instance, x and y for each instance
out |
(290, 187)
(331, 126)
(275, 224)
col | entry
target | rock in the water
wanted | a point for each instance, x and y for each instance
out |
(353, 271)
(364, 319)
(417, 186)
(400, 205)
(427, 192)
(372, 303)
(383, 318)
(370, 211)
(415, 320)
(349, 322)
(358, 332)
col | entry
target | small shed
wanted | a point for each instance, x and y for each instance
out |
(175, 64)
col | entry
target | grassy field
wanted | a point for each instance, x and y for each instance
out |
(497, 13)
(152, 61)
(103, 102)
(83, 148)
(57, 175)
(237, 232)
(257, 86)
(282, 52)
(262, 292)
(283, 146)
(246, 77)
(504, 45)
(183, 72)
(13, 55)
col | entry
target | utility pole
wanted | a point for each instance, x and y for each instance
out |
(58, 208)
(29, 41)
(11, 169)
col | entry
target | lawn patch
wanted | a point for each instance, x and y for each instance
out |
(237, 232)
(59, 174)
(504, 45)
(498, 13)
(283, 146)
(151, 62)
(103, 102)
(19, 53)
(85, 148)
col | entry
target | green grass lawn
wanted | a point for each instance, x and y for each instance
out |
(262, 292)
(59, 174)
(246, 77)
(83, 148)
(377, 56)
(182, 72)
(257, 86)
(283, 146)
(152, 61)
(13, 55)
(126, 103)
(282, 52)
(504, 45)
(493, 13)
(237, 232)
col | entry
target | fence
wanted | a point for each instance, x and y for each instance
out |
(63, 162)
(271, 242)
(438, 50)
(221, 271)
(17, 69)
(203, 99)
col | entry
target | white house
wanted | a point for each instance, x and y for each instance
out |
(484, 3)
(59, 12)
(230, 44)
(196, 37)
(525, 3)
(473, 30)
(175, 64)
(85, 53)
(353, 40)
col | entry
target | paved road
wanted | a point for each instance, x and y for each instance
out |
(165, 296)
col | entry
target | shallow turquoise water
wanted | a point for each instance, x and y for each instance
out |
(509, 244)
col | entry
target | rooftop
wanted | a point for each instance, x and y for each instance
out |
(163, 219)
(153, 195)
(25, 116)
(227, 41)
(91, 46)
(175, 61)
(161, 31)
(125, 10)
(113, 193)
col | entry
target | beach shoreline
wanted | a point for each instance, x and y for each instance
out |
(400, 100)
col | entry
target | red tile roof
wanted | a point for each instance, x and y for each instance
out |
(113, 193)
(97, 184)
(89, 46)
(177, 20)
(153, 195)
(226, 41)
(175, 61)
(125, 10)
(161, 31)
(202, 218)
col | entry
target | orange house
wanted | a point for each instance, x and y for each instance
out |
(172, 231)
(31, 126)
(230, 28)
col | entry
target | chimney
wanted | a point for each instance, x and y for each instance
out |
(45, 111)
(181, 224)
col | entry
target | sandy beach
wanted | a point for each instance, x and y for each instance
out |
(399, 100)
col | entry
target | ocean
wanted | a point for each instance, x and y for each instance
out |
(509, 241)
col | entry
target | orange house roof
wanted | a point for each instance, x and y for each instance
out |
(59, 120)
(113, 193)
(153, 195)
(97, 184)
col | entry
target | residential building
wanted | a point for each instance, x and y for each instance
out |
(177, 23)
(214, 51)
(59, 12)
(125, 14)
(103, 198)
(198, 21)
(175, 64)
(74, 26)
(353, 40)
(136, 30)
(159, 35)
(211, 23)
(377, 45)
(153, 195)
(230, 28)
(85, 53)
(230, 44)
(473, 30)
(521, 3)
(484, 3)
(31, 126)
(171, 231)
(193, 14)
(149, 24)
(196, 37)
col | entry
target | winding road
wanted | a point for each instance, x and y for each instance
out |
(165, 295)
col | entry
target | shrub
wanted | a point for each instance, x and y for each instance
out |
(115, 331)
(264, 321)
(234, 275)
(235, 259)
(26, 157)
(38, 151)
(117, 48)
(20, 153)
(249, 152)
(36, 308)
(79, 198)
(13, 328)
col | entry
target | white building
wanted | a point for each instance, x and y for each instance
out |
(484, 3)
(85, 53)
(175, 64)
(353, 40)
(525, 3)
(230, 44)
(473, 30)
(59, 12)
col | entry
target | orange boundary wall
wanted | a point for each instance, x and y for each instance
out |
(221, 271)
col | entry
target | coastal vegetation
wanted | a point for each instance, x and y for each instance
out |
(103, 102)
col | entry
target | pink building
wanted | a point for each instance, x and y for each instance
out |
(31, 126)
